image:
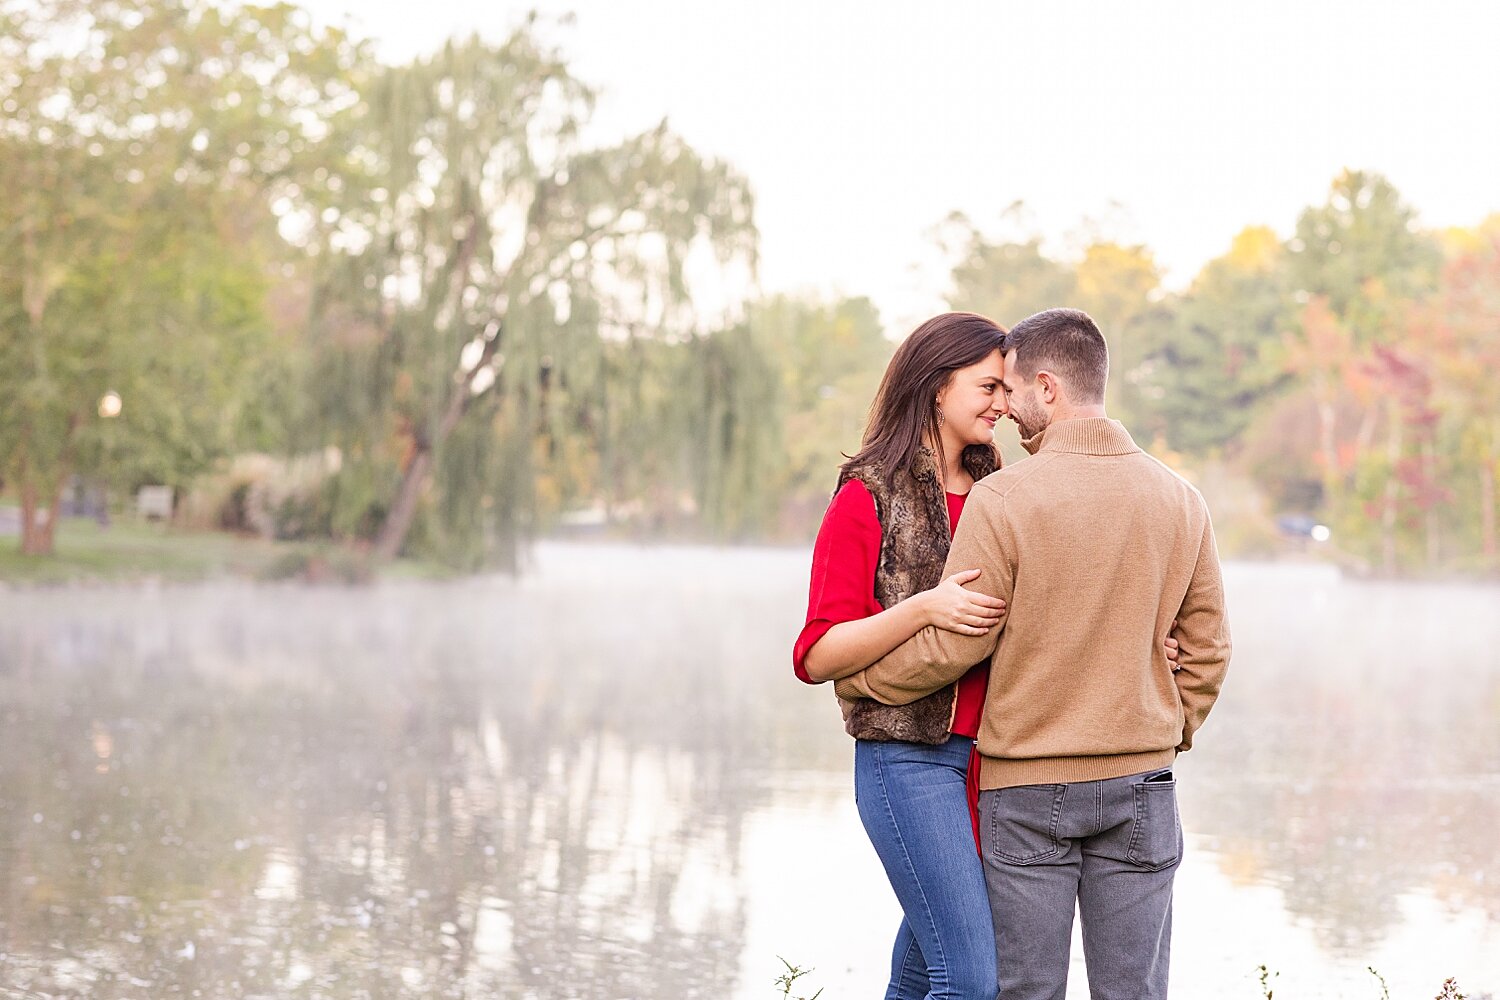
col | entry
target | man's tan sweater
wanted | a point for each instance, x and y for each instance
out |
(1095, 547)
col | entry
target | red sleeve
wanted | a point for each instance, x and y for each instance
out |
(843, 569)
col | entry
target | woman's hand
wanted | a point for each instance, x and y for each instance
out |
(1172, 650)
(952, 608)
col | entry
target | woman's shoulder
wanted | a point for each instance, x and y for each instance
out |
(853, 505)
(854, 497)
(867, 475)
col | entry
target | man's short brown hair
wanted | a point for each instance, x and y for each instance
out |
(1066, 342)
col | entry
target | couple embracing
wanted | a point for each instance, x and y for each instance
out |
(1020, 654)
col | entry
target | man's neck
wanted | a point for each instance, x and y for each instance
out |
(1062, 413)
(1066, 411)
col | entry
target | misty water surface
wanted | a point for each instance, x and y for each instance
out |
(601, 781)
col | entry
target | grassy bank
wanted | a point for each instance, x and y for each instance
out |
(131, 550)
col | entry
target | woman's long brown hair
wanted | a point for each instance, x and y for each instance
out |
(904, 411)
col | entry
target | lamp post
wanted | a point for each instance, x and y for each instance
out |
(110, 406)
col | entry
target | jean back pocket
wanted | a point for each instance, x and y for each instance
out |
(1156, 835)
(1023, 823)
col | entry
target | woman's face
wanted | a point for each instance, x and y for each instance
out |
(971, 402)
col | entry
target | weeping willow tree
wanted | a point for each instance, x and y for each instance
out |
(480, 264)
(733, 428)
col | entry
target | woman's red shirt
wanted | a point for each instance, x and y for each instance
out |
(842, 588)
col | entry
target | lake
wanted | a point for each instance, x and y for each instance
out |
(600, 781)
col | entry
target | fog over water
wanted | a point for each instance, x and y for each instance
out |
(601, 781)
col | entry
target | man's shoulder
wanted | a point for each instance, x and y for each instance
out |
(1171, 478)
(1002, 482)
(1041, 475)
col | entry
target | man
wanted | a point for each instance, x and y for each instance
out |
(1096, 548)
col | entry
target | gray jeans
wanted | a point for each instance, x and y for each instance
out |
(1112, 848)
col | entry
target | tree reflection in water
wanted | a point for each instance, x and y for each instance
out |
(1355, 755)
(426, 790)
(545, 788)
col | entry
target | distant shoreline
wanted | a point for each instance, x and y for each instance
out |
(132, 551)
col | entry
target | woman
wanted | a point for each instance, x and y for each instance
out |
(877, 581)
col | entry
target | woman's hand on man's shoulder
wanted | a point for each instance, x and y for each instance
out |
(951, 607)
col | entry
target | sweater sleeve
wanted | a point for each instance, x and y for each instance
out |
(1203, 632)
(842, 586)
(934, 657)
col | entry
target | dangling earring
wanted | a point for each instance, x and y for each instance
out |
(941, 419)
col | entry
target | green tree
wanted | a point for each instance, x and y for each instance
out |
(1363, 252)
(1361, 265)
(1120, 287)
(1218, 360)
(830, 358)
(141, 140)
(814, 344)
(1006, 281)
(734, 434)
(478, 258)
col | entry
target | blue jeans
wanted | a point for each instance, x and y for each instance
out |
(914, 806)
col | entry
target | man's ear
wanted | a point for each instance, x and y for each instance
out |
(1051, 386)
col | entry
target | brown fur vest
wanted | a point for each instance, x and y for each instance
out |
(914, 539)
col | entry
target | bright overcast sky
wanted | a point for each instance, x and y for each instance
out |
(861, 125)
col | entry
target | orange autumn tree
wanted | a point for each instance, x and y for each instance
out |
(1463, 326)
(1321, 352)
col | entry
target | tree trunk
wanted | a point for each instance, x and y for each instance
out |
(1487, 512)
(398, 522)
(404, 511)
(1328, 445)
(38, 523)
(1430, 512)
(1392, 495)
(31, 542)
